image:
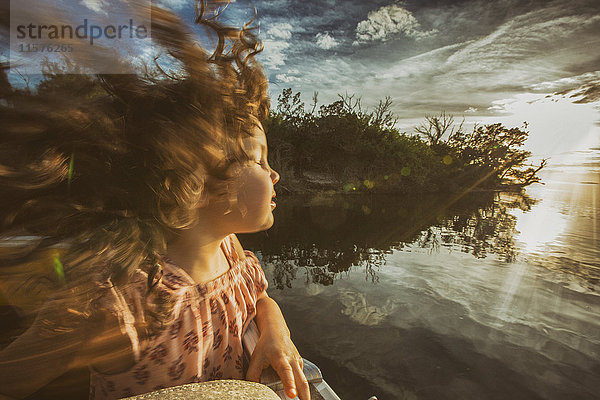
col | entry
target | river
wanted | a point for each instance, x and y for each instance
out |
(481, 296)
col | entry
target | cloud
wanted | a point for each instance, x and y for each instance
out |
(426, 64)
(273, 55)
(174, 4)
(523, 40)
(358, 309)
(95, 5)
(587, 94)
(493, 51)
(280, 30)
(556, 122)
(276, 44)
(290, 76)
(518, 56)
(326, 41)
(387, 21)
(584, 88)
(287, 78)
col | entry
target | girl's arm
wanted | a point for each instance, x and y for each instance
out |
(275, 348)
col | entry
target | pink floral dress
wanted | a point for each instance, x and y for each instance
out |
(203, 343)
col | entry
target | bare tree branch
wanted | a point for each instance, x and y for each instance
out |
(382, 116)
(26, 79)
(315, 101)
(435, 127)
(350, 104)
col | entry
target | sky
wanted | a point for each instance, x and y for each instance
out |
(487, 61)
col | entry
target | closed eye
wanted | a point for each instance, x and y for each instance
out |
(263, 163)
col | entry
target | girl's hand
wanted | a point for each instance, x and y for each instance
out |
(275, 349)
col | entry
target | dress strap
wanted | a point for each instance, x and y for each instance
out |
(232, 248)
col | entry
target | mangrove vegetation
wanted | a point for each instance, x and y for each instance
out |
(342, 148)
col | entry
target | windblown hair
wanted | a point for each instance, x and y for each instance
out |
(111, 170)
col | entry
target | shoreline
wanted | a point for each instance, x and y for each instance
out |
(312, 184)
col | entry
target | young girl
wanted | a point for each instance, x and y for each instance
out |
(144, 180)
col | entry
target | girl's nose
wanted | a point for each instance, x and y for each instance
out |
(274, 176)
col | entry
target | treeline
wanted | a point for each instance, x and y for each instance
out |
(340, 147)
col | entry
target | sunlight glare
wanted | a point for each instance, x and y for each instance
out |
(555, 123)
(539, 227)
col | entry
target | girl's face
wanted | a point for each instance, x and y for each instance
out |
(253, 182)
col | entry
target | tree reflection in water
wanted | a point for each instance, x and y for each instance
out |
(323, 236)
(487, 229)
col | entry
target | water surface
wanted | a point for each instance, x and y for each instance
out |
(486, 295)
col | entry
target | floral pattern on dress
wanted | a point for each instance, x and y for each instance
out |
(217, 339)
(215, 374)
(159, 353)
(205, 328)
(190, 344)
(175, 328)
(141, 374)
(234, 329)
(203, 342)
(223, 317)
(214, 306)
(260, 286)
(227, 354)
(173, 279)
(176, 369)
(225, 298)
(239, 364)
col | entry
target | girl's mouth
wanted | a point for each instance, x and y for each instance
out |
(273, 201)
